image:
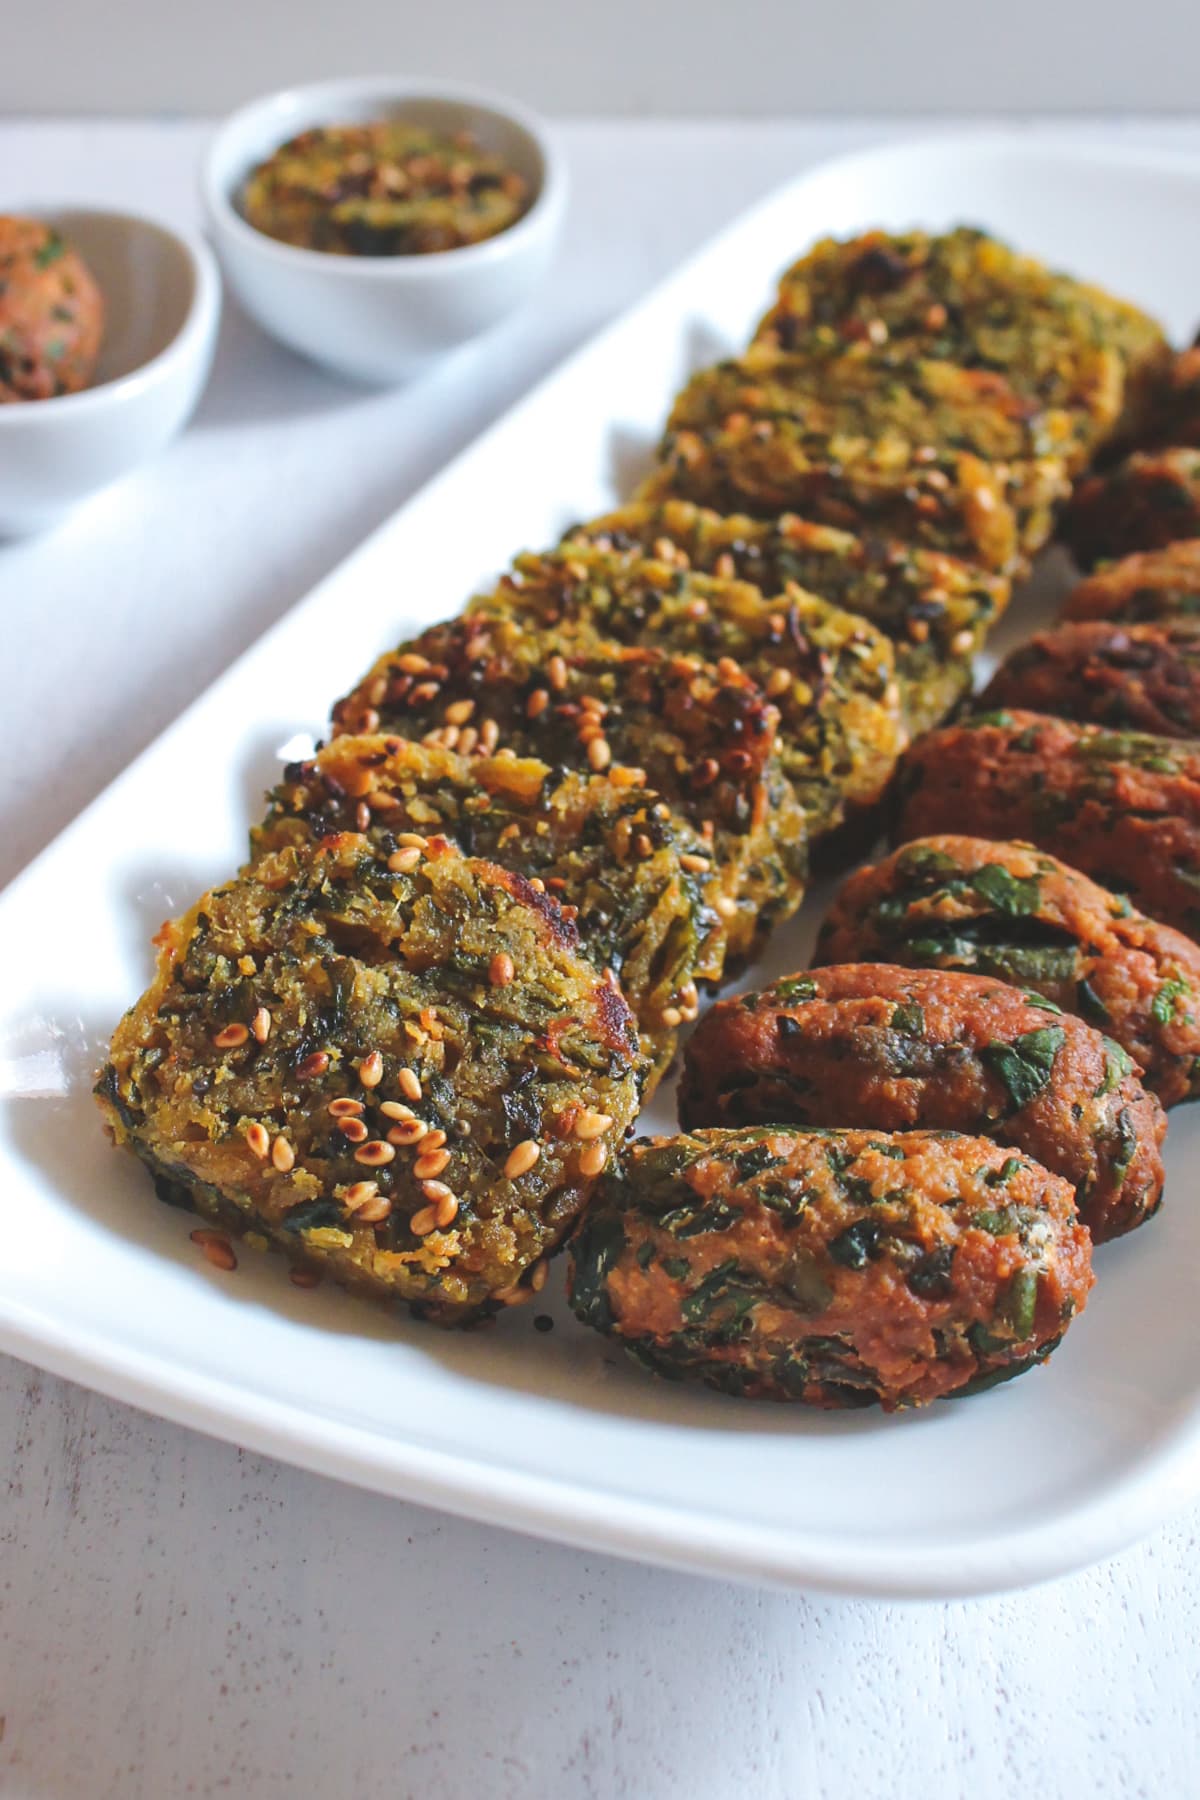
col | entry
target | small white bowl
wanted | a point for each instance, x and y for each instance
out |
(162, 300)
(381, 318)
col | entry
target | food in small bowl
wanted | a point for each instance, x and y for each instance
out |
(346, 277)
(384, 189)
(51, 313)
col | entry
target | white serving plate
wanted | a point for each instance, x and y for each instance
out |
(556, 1434)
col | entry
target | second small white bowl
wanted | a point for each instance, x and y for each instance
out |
(382, 318)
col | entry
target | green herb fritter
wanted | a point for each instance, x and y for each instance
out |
(407, 1078)
(965, 297)
(872, 1045)
(1122, 806)
(837, 1268)
(950, 458)
(1016, 913)
(830, 673)
(1128, 677)
(936, 608)
(1145, 503)
(1149, 585)
(705, 739)
(632, 874)
(390, 188)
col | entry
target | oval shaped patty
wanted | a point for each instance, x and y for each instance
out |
(1123, 806)
(1150, 584)
(1013, 912)
(1147, 501)
(868, 1044)
(836, 1268)
(1129, 677)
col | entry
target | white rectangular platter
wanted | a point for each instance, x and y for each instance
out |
(555, 1433)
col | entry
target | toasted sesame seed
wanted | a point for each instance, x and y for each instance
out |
(437, 1191)
(396, 1109)
(556, 673)
(433, 1140)
(467, 740)
(231, 1037)
(726, 568)
(423, 1222)
(370, 1070)
(446, 1212)
(537, 703)
(374, 1211)
(514, 1295)
(537, 884)
(726, 906)
(258, 1139)
(593, 1159)
(962, 642)
(316, 1064)
(355, 1130)
(501, 969)
(424, 690)
(410, 1132)
(369, 719)
(358, 1193)
(449, 737)
(260, 1025)
(413, 839)
(217, 1248)
(591, 1124)
(459, 712)
(362, 815)
(403, 862)
(522, 1159)
(304, 1278)
(592, 703)
(697, 864)
(431, 1164)
(599, 754)
(671, 1017)
(375, 1154)
(345, 1109)
(778, 682)
(489, 734)
(623, 776)
(412, 664)
(538, 1274)
(282, 1155)
(410, 1087)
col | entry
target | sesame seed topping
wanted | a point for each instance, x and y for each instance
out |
(593, 1159)
(410, 1087)
(446, 1211)
(671, 1017)
(537, 1275)
(403, 862)
(599, 754)
(437, 1191)
(345, 1109)
(537, 703)
(375, 1154)
(501, 969)
(258, 1139)
(410, 1132)
(370, 1070)
(556, 673)
(778, 682)
(373, 1211)
(522, 1159)
(726, 906)
(433, 1140)
(358, 1193)
(413, 839)
(316, 1064)
(260, 1025)
(459, 711)
(355, 1130)
(282, 1155)
(591, 1124)
(697, 864)
(412, 664)
(430, 1164)
(231, 1037)
(423, 1222)
(396, 1109)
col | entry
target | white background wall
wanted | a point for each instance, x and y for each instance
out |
(731, 57)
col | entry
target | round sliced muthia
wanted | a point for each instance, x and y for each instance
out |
(937, 609)
(1018, 914)
(325, 1059)
(1144, 503)
(1122, 806)
(836, 1268)
(830, 673)
(966, 297)
(895, 1049)
(1137, 589)
(705, 740)
(950, 458)
(1128, 677)
(634, 876)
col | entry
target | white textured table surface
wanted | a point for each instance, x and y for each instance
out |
(180, 1618)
